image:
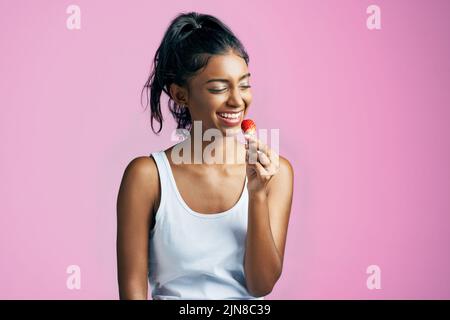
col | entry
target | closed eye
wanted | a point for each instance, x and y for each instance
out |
(222, 90)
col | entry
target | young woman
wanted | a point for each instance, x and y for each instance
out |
(196, 229)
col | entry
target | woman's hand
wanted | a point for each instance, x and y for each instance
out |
(262, 164)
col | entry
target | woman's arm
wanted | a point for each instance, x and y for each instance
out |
(135, 204)
(268, 220)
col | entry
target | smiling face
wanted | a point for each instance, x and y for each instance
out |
(219, 95)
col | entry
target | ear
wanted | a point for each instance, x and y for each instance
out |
(179, 94)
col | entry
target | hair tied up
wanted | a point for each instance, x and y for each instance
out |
(181, 54)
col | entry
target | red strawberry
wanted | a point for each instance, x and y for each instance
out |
(248, 126)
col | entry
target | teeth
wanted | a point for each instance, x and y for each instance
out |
(231, 115)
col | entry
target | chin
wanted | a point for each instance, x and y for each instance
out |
(231, 131)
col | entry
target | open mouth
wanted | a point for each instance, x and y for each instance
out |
(230, 118)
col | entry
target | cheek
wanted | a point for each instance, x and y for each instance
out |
(248, 98)
(213, 102)
(203, 104)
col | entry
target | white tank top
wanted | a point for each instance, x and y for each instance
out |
(195, 255)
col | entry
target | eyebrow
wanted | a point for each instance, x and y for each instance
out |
(225, 80)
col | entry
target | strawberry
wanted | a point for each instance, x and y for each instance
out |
(248, 126)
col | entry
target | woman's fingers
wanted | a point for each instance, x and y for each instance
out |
(274, 158)
(263, 159)
(259, 151)
(260, 169)
(255, 144)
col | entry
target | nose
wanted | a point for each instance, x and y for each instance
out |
(235, 99)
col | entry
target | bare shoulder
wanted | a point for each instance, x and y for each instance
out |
(284, 177)
(142, 169)
(141, 177)
(141, 166)
(286, 170)
(286, 166)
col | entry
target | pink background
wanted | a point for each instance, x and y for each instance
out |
(364, 118)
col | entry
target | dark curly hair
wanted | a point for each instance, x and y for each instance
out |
(188, 43)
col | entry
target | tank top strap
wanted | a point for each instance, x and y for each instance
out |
(164, 175)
